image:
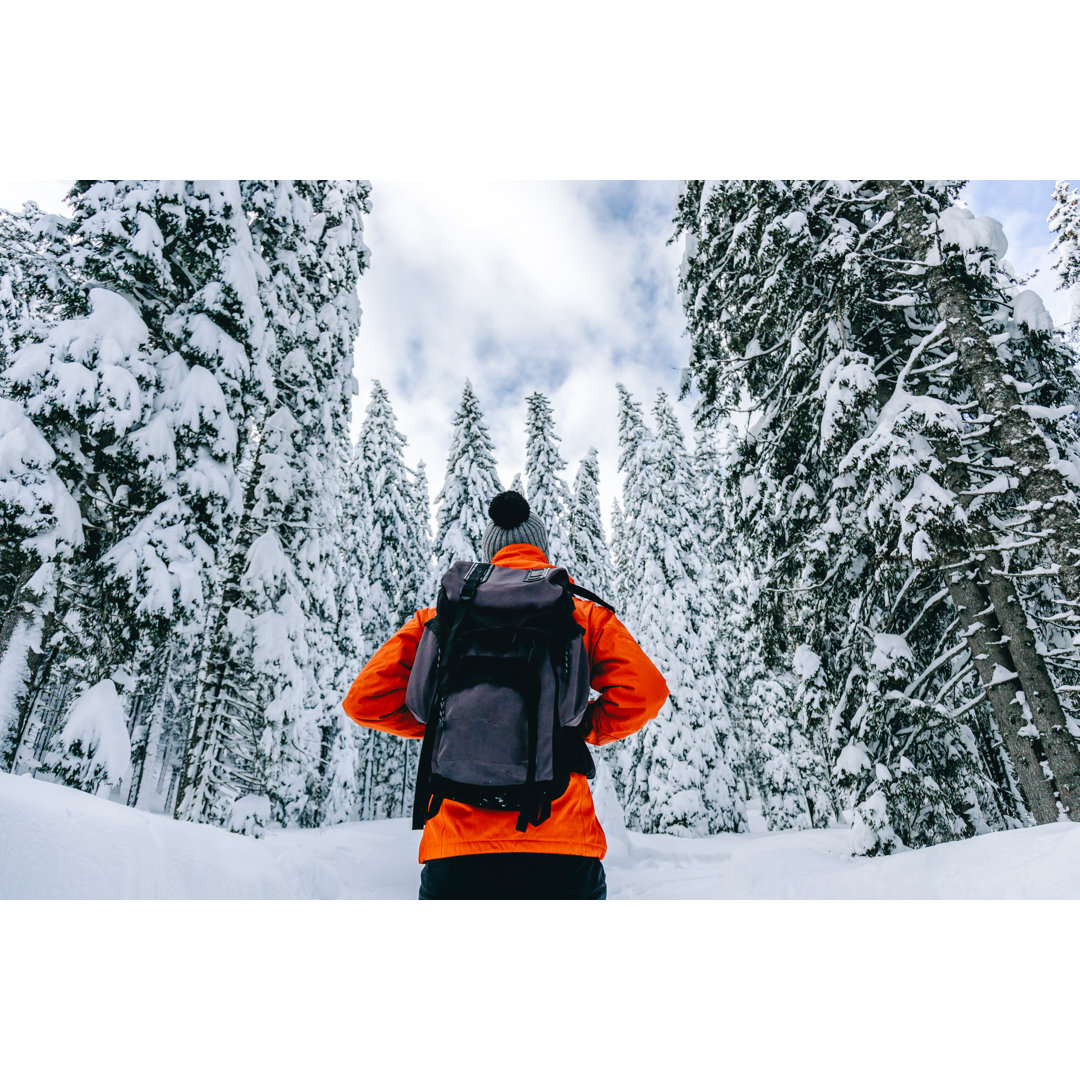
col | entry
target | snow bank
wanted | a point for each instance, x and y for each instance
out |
(57, 843)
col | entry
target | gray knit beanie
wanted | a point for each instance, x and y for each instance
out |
(512, 523)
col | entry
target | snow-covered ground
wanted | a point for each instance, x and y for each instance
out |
(58, 843)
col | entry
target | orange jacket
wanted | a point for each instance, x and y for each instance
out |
(631, 693)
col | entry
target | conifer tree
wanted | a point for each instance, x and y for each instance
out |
(397, 568)
(92, 388)
(549, 497)
(586, 532)
(40, 529)
(36, 287)
(1065, 225)
(864, 490)
(470, 485)
(677, 774)
(309, 237)
(194, 402)
(415, 588)
(618, 554)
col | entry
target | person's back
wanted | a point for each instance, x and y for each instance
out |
(470, 852)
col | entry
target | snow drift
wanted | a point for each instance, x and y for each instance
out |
(58, 843)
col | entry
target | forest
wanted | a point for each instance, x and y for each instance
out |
(859, 571)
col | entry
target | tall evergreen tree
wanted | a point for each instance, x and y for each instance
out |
(310, 237)
(677, 774)
(194, 402)
(470, 485)
(92, 388)
(1065, 225)
(415, 589)
(397, 569)
(618, 554)
(549, 497)
(781, 766)
(586, 532)
(865, 488)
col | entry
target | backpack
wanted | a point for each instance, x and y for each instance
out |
(501, 682)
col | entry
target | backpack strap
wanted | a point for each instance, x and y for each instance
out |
(535, 810)
(577, 590)
(424, 807)
(532, 808)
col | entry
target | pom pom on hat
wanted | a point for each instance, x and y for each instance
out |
(509, 510)
(512, 522)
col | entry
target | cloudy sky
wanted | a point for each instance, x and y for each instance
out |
(563, 287)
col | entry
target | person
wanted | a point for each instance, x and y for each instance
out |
(471, 853)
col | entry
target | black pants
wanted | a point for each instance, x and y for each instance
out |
(513, 876)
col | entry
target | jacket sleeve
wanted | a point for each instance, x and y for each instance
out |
(377, 697)
(631, 689)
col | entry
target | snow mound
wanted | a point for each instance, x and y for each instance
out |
(58, 843)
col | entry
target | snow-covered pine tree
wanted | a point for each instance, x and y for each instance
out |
(1064, 223)
(416, 584)
(91, 389)
(677, 774)
(397, 567)
(197, 489)
(549, 497)
(92, 750)
(357, 558)
(470, 485)
(852, 484)
(1024, 451)
(40, 529)
(40, 524)
(586, 532)
(183, 252)
(36, 287)
(824, 577)
(309, 237)
(415, 593)
(155, 448)
(781, 767)
(618, 555)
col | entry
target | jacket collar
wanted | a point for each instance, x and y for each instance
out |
(520, 555)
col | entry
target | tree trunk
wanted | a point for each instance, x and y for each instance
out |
(202, 750)
(153, 678)
(1058, 744)
(991, 657)
(1047, 764)
(1045, 757)
(1017, 436)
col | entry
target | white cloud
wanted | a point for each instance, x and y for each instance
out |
(563, 288)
